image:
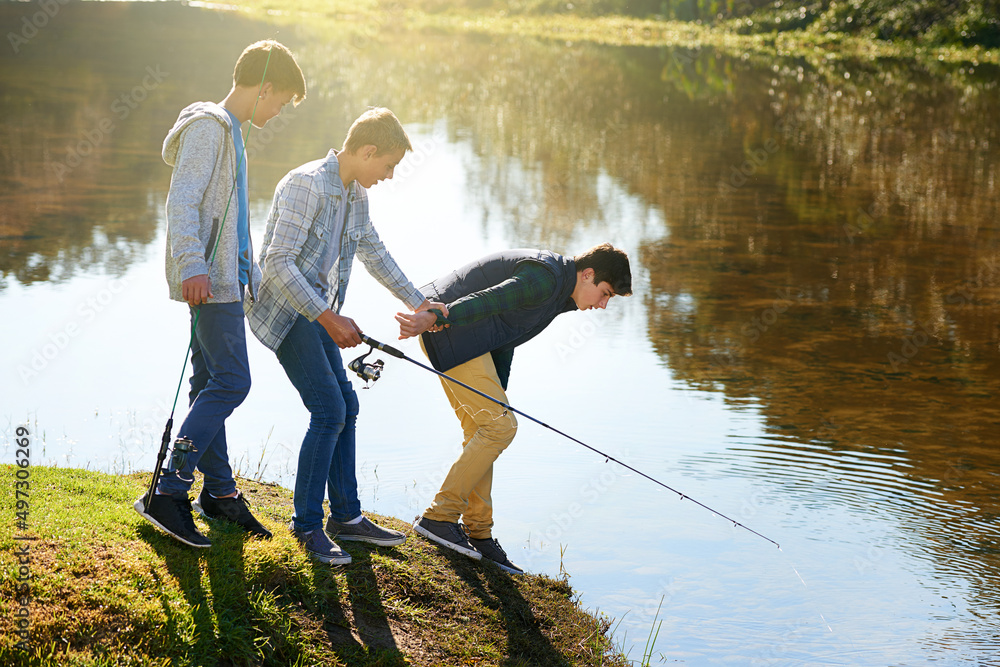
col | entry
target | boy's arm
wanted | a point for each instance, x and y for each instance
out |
(380, 264)
(297, 205)
(530, 286)
(200, 145)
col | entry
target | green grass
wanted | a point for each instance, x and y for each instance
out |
(109, 589)
(371, 19)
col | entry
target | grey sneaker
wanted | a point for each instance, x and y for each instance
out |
(364, 531)
(446, 534)
(320, 547)
(492, 550)
(172, 515)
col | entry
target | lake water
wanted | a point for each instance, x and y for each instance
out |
(813, 347)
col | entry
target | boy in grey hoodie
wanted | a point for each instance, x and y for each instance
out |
(209, 265)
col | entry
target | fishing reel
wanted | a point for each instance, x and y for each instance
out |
(179, 456)
(365, 371)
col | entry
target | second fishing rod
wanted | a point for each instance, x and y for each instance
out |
(370, 372)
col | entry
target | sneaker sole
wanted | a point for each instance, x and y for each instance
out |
(381, 542)
(471, 553)
(141, 511)
(344, 559)
(508, 570)
(330, 560)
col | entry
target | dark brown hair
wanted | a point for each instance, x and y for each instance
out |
(282, 71)
(610, 265)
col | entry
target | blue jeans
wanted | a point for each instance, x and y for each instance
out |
(313, 363)
(220, 380)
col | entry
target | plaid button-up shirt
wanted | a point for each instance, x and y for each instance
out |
(298, 230)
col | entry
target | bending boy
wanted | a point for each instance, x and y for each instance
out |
(318, 221)
(494, 305)
(209, 265)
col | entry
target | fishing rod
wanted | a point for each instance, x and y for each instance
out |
(183, 447)
(370, 372)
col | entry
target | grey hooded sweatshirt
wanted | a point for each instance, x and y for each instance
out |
(200, 149)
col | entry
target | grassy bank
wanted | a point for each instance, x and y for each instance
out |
(371, 20)
(109, 589)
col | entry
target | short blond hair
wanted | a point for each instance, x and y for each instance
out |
(268, 61)
(380, 128)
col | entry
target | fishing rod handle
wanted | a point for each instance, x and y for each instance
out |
(382, 346)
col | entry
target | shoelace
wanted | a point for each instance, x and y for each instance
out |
(459, 533)
(242, 504)
(184, 509)
(499, 548)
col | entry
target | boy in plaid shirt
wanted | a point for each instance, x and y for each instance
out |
(317, 223)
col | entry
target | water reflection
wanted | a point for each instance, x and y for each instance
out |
(86, 103)
(818, 239)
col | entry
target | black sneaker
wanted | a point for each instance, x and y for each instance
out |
(319, 546)
(364, 531)
(446, 534)
(235, 510)
(492, 550)
(172, 515)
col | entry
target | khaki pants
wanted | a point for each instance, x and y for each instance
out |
(488, 430)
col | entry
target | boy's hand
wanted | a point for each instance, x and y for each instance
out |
(197, 290)
(414, 324)
(427, 305)
(343, 330)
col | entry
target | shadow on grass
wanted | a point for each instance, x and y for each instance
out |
(235, 618)
(526, 644)
(225, 622)
(370, 617)
(371, 642)
(183, 564)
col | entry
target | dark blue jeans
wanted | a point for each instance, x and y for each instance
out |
(313, 363)
(220, 380)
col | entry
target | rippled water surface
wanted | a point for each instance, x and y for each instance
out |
(813, 347)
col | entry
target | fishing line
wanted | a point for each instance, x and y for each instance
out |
(362, 369)
(165, 440)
